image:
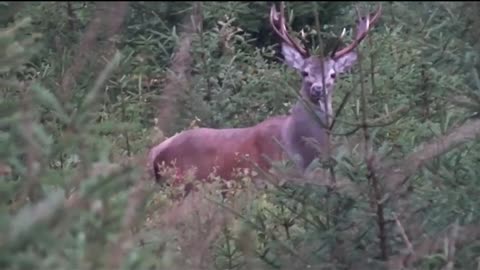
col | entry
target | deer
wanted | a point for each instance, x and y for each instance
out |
(224, 151)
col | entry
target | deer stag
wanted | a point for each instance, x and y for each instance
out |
(223, 150)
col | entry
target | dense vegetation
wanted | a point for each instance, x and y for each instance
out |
(88, 87)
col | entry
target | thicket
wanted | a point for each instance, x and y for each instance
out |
(88, 87)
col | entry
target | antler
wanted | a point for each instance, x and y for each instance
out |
(277, 20)
(363, 26)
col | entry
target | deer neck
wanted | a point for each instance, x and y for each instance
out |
(309, 120)
(301, 130)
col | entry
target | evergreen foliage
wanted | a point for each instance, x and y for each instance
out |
(82, 84)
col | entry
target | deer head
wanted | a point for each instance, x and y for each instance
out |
(319, 74)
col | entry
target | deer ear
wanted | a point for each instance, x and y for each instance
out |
(346, 62)
(292, 57)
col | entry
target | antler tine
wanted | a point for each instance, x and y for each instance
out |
(363, 26)
(278, 22)
(338, 43)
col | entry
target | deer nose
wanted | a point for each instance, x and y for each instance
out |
(317, 91)
(317, 88)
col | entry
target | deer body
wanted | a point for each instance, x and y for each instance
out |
(219, 150)
(225, 150)
(222, 151)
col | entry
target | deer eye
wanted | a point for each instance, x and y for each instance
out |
(333, 75)
(304, 74)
